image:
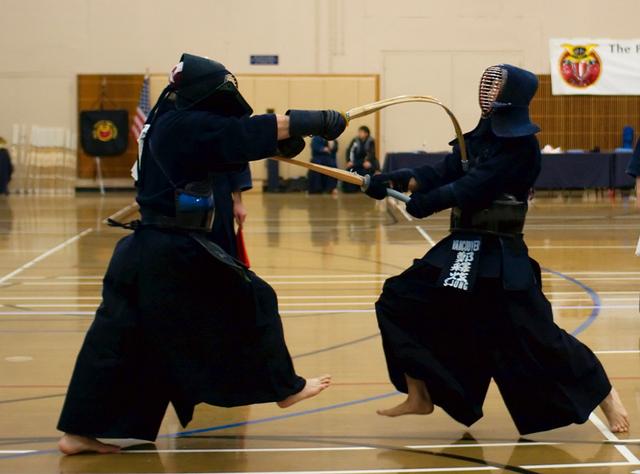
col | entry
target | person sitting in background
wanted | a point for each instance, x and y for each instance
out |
(323, 152)
(361, 157)
(6, 168)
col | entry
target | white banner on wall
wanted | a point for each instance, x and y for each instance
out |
(588, 66)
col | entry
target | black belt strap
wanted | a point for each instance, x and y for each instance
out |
(159, 222)
(132, 225)
(501, 218)
(169, 223)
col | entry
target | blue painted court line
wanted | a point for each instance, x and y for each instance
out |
(595, 298)
(279, 417)
(34, 453)
(337, 346)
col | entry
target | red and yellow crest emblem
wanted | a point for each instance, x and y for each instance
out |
(105, 130)
(580, 65)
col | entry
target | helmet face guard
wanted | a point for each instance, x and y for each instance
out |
(492, 84)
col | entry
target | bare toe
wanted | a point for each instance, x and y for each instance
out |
(408, 407)
(73, 444)
(616, 414)
(312, 388)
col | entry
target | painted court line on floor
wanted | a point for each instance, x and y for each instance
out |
(58, 247)
(633, 294)
(295, 311)
(124, 212)
(273, 283)
(426, 236)
(581, 247)
(27, 306)
(401, 208)
(624, 351)
(52, 298)
(44, 255)
(421, 469)
(306, 276)
(623, 450)
(324, 275)
(605, 278)
(340, 275)
(332, 448)
(408, 217)
(371, 302)
(334, 281)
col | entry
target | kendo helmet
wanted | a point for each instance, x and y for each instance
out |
(505, 94)
(200, 82)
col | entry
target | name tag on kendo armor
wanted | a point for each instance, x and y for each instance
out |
(461, 271)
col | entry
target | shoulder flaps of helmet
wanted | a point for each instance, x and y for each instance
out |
(471, 132)
(513, 122)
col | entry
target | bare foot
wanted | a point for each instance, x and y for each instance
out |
(418, 400)
(411, 406)
(312, 388)
(74, 444)
(615, 412)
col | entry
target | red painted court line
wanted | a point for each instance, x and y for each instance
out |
(361, 383)
(64, 386)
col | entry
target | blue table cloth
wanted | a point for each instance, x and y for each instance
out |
(559, 171)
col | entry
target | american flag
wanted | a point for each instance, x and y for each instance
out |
(142, 110)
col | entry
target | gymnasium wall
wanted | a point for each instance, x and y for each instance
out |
(427, 46)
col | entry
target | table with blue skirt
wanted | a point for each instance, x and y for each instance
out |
(558, 170)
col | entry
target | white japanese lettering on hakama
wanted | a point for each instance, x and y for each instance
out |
(461, 268)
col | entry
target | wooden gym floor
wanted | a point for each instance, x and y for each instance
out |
(327, 259)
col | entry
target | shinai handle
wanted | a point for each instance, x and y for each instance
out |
(342, 175)
(398, 195)
(366, 180)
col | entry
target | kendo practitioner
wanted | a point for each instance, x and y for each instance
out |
(181, 321)
(472, 308)
(323, 152)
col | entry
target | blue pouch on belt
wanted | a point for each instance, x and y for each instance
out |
(195, 206)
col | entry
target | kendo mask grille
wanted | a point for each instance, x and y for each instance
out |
(492, 82)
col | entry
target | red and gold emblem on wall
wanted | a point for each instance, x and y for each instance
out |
(105, 130)
(580, 65)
